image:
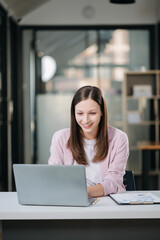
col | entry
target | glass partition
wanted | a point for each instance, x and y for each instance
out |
(85, 57)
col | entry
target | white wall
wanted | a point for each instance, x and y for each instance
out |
(70, 12)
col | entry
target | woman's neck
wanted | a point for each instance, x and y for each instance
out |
(89, 136)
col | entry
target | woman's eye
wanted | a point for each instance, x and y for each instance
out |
(79, 113)
(93, 113)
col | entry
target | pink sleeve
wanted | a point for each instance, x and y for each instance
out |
(56, 151)
(113, 180)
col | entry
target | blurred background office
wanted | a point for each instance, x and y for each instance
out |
(50, 48)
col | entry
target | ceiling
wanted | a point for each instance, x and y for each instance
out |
(25, 9)
(19, 8)
(62, 45)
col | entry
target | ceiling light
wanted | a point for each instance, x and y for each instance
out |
(122, 1)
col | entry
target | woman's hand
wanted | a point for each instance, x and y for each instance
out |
(95, 191)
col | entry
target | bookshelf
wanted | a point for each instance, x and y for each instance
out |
(141, 118)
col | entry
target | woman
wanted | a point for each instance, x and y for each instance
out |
(89, 141)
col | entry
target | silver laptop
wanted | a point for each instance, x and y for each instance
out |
(59, 185)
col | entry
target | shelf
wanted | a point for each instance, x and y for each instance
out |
(151, 173)
(149, 72)
(140, 97)
(143, 123)
(141, 116)
(145, 145)
(133, 148)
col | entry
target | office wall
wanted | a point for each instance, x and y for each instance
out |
(93, 12)
(28, 88)
(158, 11)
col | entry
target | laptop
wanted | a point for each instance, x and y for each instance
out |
(58, 185)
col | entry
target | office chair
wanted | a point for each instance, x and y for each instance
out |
(128, 181)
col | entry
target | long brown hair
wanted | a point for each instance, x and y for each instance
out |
(75, 142)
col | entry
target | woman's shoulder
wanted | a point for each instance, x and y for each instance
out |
(64, 131)
(116, 133)
(62, 134)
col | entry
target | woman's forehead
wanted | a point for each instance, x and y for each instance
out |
(87, 104)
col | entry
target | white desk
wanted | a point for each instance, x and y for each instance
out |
(96, 222)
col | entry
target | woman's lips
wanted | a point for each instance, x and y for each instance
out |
(87, 126)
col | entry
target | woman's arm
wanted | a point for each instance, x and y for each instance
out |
(113, 180)
(56, 151)
(95, 191)
(60, 154)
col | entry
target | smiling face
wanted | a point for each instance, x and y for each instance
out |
(88, 115)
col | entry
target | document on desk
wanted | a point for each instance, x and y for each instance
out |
(135, 198)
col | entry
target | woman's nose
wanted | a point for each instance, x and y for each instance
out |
(86, 118)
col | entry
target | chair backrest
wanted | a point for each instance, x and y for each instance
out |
(128, 181)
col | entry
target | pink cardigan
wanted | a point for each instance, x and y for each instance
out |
(112, 167)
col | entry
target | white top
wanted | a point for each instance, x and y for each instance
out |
(93, 170)
(105, 208)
